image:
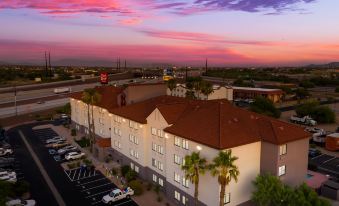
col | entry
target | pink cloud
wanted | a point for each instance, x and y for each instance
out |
(206, 38)
(131, 21)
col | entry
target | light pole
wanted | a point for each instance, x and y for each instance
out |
(15, 106)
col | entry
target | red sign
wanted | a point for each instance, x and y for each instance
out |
(104, 78)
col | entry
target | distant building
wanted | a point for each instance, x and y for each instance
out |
(275, 95)
(219, 92)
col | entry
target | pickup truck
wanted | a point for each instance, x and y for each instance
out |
(117, 194)
(306, 120)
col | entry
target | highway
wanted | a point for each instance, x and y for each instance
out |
(27, 101)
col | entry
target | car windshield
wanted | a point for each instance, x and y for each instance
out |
(112, 194)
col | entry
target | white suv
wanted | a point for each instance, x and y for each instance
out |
(5, 151)
(74, 155)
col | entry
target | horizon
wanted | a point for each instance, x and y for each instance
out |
(230, 33)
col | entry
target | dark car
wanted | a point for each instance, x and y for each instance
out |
(6, 162)
(52, 151)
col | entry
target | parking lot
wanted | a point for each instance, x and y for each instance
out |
(326, 164)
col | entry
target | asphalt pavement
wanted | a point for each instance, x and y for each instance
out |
(75, 187)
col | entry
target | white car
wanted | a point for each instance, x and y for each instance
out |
(18, 202)
(117, 194)
(66, 149)
(5, 151)
(74, 155)
(8, 176)
(54, 140)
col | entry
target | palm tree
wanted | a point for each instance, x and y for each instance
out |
(206, 88)
(223, 166)
(193, 167)
(91, 97)
(171, 84)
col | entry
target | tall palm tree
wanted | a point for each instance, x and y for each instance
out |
(171, 84)
(206, 88)
(223, 166)
(193, 167)
(91, 97)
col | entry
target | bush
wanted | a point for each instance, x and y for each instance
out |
(83, 142)
(114, 172)
(71, 166)
(73, 132)
(87, 162)
(21, 187)
(265, 106)
(124, 170)
(306, 84)
(131, 175)
(136, 186)
(322, 114)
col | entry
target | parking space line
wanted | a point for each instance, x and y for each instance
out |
(91, 181)
(329, 160)
(85, 173)
(79, 174)
(97, 202)
(97, 194)
(97, 186)
(74, 174)
(68, 176)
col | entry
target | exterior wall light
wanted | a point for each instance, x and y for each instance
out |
(199, 148)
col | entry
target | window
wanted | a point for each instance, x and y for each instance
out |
(161, 182)
(132, 165)
(160, 166)
(177, 141)
(153, 131)
(177, 195)
(101, 120)
(185, 144)
(160, 149)
(101, 131)
(131, 138)
(283, 149)
(134, 153)
(154, 162)
(117, 119)
(227, 198)
(130, 124)
(119, 145)
(185, 182)
(176, 177)
(177, 159)
(136, 169)
(184, 200)
(154, 146)
(282, 170)
(154, 178)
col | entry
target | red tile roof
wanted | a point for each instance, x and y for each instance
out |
(216, 123)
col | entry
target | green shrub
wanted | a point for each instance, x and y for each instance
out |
(83, 142)
(131, 175)
(322, 114)
(265, 106)
(73, 132)
(21, 187)
(136, 186)
(87, 162)
(124, 169)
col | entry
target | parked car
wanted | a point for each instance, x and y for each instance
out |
(5, 151)
(306, 120)
(6, 162)
(9, 176)
(54, 140)
(313, 130)
(19, 202)
(58, 145)
(57, 158)
(66, 149)
(74, 155)
(5, 145)
(117, 194)
(313, 153)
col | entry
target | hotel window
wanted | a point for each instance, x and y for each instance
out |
(177, 141)
(131, 138)
(185, 182)
(132, 165)
(161, 182)
(136, 169)
(101, 131)
(160, 166)
(227, 198)
(160, 149)
(154, 162)
(177, 195)
(154, 146)
(283, 149)
(119, 145)
(136, 125)
(177, 159)
(101, 110)
(130, 124)
(154, 178)
(282, 170)
(153, 131)
(176, 177)
(185, 144)
(184, 200)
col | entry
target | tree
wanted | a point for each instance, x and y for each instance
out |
(193, 167)
(306, 84)
(301, 93)
(306, 108)
(190, 94)
(224, 168)
(322, 114)
(91, 97)
(171, 84)
(265, 106)
(206, 88)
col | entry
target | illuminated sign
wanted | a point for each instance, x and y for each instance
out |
(104, 78)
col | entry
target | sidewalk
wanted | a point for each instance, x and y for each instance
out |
(148, 198)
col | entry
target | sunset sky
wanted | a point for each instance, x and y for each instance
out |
(181, 32)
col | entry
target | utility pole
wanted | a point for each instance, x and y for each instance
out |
(15, 106)
(125, 65)
(206, 66)
(46, 72)
(49, 62)
(186, 74)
